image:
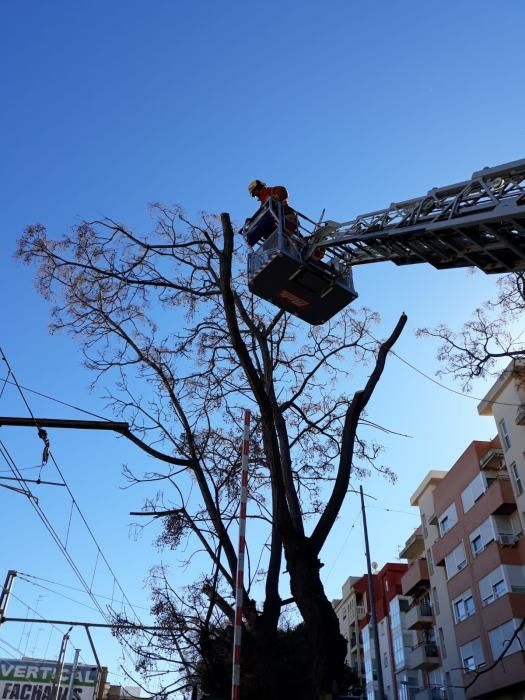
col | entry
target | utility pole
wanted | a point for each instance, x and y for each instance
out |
(57, 680)
(69, 695)
(371, 595)
(6, 593)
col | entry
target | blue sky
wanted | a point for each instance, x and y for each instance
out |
(107, 106)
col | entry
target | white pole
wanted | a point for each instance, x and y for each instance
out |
(73, 672)
(239, 583)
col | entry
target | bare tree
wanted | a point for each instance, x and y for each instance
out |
(492, 334)
(182, 390)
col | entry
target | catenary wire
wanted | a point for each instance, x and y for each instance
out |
(99, 550)
(51, 398)
(54, 535)
(42, 617)
(73, 588)
(342, 546)
(10, 462)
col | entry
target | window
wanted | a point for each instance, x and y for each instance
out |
(472, 655)
(442, 643)
(455, 560)
(470, 608)
(436, 600)
(424, 523)
(448, 686)
(494, 585)
(499, 588)
(463, 606)
(500, 639)
(477, 544)
(482, 536)
(469, 663)
(448, 519)
(505, 437)
(473, 492)
(516, 476)
(430, 563)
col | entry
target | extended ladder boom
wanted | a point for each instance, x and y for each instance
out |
(480, 222)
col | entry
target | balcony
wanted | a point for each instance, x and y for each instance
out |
(360, 611)
(492, 460)
(414, 546)
(425, 656)
(419, 617)
(416, 576)
(520, 415)
(436, 693)
(507, 539)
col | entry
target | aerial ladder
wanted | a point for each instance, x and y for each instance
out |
(477, 223)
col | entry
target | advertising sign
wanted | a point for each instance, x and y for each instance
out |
(31, 679)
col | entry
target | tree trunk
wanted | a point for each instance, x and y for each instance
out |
(327, 647)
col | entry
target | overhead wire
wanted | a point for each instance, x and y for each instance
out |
(51, 398)
(342, 546)
(100, 554)
(25, 576)
(431, 379)
(48, 525)
(77, 507)
(43, 618)
(61, 595)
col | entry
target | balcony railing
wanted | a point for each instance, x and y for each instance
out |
(492, 460)
(425, 655)
(434, 693)
(416, 576)
(419, 616)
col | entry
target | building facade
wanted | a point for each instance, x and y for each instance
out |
(505, 402)
(396, 641)
(467, 569)
(351, 609)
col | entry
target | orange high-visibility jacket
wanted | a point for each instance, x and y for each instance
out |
(279, 193)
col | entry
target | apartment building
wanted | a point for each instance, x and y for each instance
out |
(470, 568)
(430, 614)
(395, 639)
(350, 610)
(424, 661)
(505, 402)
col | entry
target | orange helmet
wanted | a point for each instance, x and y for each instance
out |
(255, 186)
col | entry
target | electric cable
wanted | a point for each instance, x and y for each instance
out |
(431, 379)
(99, 550)
(34, 502)
(61, 595)
(342, 547)
(10, 462)
(42, 617)
(26, 576)
(51, 398)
